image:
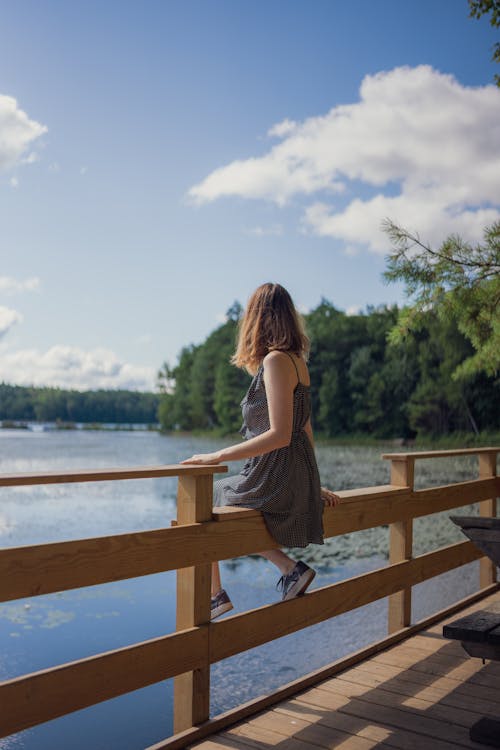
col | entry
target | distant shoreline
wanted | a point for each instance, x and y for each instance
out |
(12, 424)
(453, 440)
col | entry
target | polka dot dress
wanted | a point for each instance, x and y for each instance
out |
(284, 483)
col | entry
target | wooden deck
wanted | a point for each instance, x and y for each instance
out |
(422, 694)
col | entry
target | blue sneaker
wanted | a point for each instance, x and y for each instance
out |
(296, 582)
(219, 604)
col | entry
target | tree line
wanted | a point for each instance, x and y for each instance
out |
(361, 380)
(21, 403)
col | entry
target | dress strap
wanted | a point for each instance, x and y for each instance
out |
(295, 365)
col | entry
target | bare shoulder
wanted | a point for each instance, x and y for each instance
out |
(276, 360)
(276, 354)
(291, 367)
(278, 365)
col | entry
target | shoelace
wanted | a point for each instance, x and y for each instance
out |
(285, 581)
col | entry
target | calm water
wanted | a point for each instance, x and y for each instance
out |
(49, 630)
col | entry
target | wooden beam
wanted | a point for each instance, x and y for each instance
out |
(45, 568)
(101, 475)
(241, 632)
(192, 689)
(488, 508)
(42, 569)
(400, 547)
(47, 694)
(441, 454)
(362, 511)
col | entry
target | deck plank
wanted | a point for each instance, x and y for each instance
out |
(293, 725)
(470, 670)
(433, 693)
(449, 688)
(431, 730)
(422, 692)
(381, 733)
(407, 701)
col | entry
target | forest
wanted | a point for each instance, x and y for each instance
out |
(361, 382)
(30, 404)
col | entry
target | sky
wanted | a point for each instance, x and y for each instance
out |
(160, 159)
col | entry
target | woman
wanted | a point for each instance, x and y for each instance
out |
(280, 477)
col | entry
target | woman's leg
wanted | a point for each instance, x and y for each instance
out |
(291, 584)
(220, 603)
(216, 582)
(284, 563)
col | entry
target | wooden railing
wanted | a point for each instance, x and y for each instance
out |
(201, 535)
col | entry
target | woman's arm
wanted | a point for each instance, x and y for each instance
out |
(279, 380)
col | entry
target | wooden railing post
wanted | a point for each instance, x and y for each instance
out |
(400, 546)
(192, 689)
(487, 469)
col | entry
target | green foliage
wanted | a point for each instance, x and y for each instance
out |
(175, 410)
(204, 390)
(459, 282)
(439, 404)
(55, 404)
(477, 9)
(359, 382)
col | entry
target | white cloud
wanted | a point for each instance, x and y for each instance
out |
(424, 147)
(17, 132)
(282, 128)
(14, 182)
(8, 318)
(275, 230)
(10, 285)
(71, 367)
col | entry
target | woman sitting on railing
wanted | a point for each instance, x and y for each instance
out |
(280, 477)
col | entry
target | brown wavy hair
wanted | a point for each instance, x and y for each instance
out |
(270, 322)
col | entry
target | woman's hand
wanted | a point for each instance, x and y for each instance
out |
(330, 499)
(203, 458)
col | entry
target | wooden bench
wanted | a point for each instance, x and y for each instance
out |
(480, 637)
(480, 631)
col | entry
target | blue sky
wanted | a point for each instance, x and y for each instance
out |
(159, 160)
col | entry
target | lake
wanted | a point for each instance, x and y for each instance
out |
(48, 630)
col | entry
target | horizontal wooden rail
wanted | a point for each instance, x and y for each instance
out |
(439, 454)
(46, 568)
(42, 569)
(58, 566)
(363, 511)
(50, 693)
(250, 629)
(104, 475)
